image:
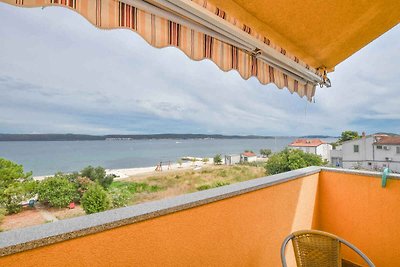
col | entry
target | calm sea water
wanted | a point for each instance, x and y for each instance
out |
(43, 158)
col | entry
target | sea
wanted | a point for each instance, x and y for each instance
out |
(49, 157)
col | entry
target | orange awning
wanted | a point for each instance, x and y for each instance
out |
(323, 33)
(244, 35)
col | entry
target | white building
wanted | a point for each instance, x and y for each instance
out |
(313, 146)
(248, 157)
(232, 159)
(374, 152)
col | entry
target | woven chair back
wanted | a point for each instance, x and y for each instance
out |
(316, 250)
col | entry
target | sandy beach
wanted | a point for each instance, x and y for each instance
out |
(129, 172)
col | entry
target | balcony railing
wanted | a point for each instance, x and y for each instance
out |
(241, 224)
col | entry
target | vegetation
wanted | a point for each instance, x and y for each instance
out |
(348, 135)
(120, 196)
(15, 186)
(291, 159)
(82, 185)
(3, 213)
(98, 175)
(218, 159)
(205, 160)
(266, 152)
(57, 192)
(95, 199)
(213, 185)
(134, 187)
(345, 136)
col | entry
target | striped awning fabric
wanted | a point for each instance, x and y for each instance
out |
(163, 32)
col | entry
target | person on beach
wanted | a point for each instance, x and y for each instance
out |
(159, 167)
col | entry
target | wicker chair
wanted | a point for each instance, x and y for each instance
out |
(314, 248)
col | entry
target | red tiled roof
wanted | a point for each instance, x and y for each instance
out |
(388, 140)
(307, 142)
(249, 154)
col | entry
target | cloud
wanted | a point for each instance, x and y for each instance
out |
(60, 74)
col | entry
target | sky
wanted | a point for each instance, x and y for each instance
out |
(60, 74)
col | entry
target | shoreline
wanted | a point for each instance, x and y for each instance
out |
(123, 173)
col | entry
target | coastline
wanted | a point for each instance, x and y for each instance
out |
(124, 173)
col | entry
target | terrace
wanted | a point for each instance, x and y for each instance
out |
(242, 224)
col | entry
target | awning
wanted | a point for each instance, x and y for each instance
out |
(239, 36)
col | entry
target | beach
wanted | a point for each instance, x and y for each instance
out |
(124, 173)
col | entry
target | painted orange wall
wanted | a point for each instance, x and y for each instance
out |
(245, 230)
(357, 209)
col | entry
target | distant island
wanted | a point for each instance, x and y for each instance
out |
(84, 137)
(112, 137)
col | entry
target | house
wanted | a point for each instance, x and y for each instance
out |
(336, 157)
(313, 146)
(373, 152)
(248, 157)
(232, 159)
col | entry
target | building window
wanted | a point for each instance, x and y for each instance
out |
(356, 148)
(398, 150)
(378, 147)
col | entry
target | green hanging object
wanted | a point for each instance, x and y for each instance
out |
(384, 176)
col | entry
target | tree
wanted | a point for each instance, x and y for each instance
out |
(205, 160)
(266, 152)
(291, 159)
(348, 135)
(98, 174)
(218, 159)
(15, 185)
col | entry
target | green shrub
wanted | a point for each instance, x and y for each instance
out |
(57, 192)
(15, 186)
(214, 185)
(98, 174)
(95, 199)
(221, 183)
(119, 196)
(291, 159)
(83, 184)
(203, 187)
(218, 159)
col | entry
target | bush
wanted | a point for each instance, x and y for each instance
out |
(95, 199)
(83, 184)
(291, 159)
(15, 186)
(57, 192)
(98, 174)
(218, 159)
(119, 196)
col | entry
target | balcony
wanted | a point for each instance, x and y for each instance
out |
(242, 224)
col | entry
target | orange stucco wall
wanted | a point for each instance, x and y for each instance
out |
(357, 209)
(245, 230)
